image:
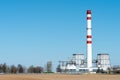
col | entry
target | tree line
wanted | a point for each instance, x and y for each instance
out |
(4, 68)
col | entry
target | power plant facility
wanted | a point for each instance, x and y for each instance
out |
(80, 63)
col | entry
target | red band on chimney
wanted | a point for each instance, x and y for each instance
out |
(89, 42)
(89, 36)
(88, 18)
(88, 11)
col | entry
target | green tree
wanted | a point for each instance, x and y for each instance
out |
(20, 68)
(4, 68)
(13, 69)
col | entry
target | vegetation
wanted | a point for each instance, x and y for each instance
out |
(4, 68)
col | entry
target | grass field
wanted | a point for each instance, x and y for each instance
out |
(58, 77)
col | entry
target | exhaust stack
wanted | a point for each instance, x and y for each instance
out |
(89, 40)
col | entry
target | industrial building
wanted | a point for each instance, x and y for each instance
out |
(80, 63)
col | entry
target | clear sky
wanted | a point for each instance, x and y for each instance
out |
(36, 31)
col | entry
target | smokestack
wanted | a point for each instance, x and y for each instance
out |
(89, 40)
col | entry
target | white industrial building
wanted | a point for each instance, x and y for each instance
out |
(78, 62)
(103, 61)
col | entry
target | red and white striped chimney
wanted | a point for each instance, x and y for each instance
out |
(89, 40)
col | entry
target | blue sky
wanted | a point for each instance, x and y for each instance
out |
(36, 31)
